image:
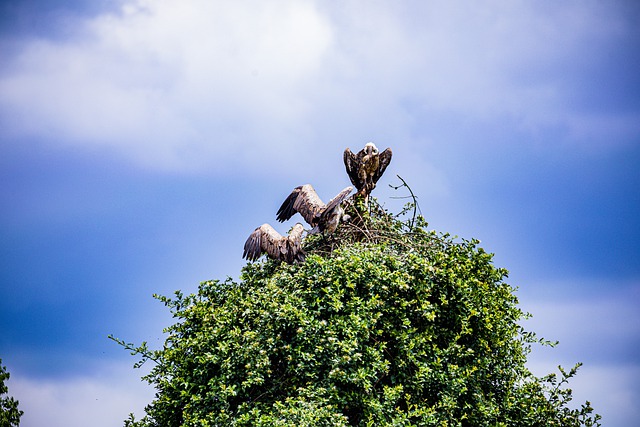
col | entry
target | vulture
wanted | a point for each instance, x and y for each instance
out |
(305, 201)
(366, 167)
(265, 239)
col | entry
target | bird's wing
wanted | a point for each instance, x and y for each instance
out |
(264, 239)
(303, 200)
(385, 159)
(335, 202)
(252, 249)
(286, 210)
(295, 234)
(352, 165)
(272, 242)
(296, 254)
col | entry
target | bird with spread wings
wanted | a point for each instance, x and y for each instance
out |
(266, 240)
(366, 167)
(305, 201)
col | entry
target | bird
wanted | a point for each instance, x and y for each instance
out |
(266, 240)
(366, 167)
(305, 201)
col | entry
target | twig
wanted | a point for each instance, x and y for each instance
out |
(413, 196)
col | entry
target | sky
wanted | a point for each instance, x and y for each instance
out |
(142, 141)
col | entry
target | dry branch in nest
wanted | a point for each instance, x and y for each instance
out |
(369, 223)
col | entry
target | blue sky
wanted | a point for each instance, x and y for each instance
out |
(142, 141)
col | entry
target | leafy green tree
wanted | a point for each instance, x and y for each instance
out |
(9, 412)
(385, 324)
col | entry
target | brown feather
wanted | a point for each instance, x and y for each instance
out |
(266, 240)
(366, 167)
(385, 159)
(351, 162)
(305, 201)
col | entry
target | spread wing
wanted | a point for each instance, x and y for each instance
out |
(385, 159)
(264, 239)
(303, 200)
(295, 252)
(352, 165)
(329, 218)
(335, 202)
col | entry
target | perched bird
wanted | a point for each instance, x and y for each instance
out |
(305, 201)
(366, 167)
(266, 240)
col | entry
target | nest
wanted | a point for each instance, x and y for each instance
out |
(368, 223)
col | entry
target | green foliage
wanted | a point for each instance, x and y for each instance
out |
(9, 412)
(385, 324)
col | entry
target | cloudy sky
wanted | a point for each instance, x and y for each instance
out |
(142, 141)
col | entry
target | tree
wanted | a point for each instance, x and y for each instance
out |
(9, 412)
(385, 323)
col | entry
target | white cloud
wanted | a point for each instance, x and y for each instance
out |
(101, 400)
(168, 82)
(600, 330)
(603, 323)
(612, 390)
(191, 83)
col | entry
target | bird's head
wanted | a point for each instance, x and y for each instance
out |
(370, 148)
